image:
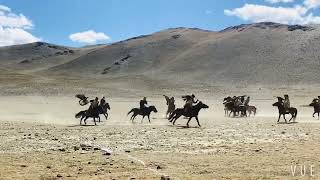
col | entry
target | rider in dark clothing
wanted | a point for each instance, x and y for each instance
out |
(143, 103)
(189, 102)
(102, 101)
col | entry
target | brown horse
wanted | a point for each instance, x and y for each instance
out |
(251, 109)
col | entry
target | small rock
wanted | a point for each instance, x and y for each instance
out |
(96, 148)
(76, 148)
(283, 132)
(49, 167)
(89, 162)
(59, 175)
(159, 167)
(127, 151)
(62, 149)
(23, 165)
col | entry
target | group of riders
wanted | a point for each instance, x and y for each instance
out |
(189, 102)
(239, 105)
(96, 105)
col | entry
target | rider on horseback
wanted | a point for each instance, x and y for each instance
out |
(143, 103)
(286, 102)
(94, 105)
(102, 101)
(246, 102)
(189, 102)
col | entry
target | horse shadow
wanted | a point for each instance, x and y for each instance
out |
(82, 125)
(287, 123)
(184, 127)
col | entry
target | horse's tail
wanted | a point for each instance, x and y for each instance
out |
(79, 114)
(132, 110)
(296, 113)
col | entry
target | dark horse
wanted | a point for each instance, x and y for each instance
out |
(282, 111)
(193, 112)
(231, 108)
(94, 113)
(146, 112)
(87, 114)
(103, 109)
(316, 106)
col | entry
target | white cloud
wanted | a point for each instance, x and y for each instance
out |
(13, 28)
(279, 1)
(12, 36)
(4, 8)
(312, 3)
(88, 37)
(286, 15)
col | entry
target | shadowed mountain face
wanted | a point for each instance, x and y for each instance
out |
(262, 53)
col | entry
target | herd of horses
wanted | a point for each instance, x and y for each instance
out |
(173, 113)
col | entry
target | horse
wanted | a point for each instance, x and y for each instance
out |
(103, 109)
(87, 114)
(282, 111)
(170, 104)
(227, 105)
(193, 112)
(252, 109)
(239, 109)
(316, 106)
(145, 112)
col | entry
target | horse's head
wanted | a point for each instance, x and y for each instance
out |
(277, 104)
(153, 108)
(107, 106)
(202, 105)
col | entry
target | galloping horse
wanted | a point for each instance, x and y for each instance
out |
(193, 112)
(146, 112)
(316, 106)
(87, 114)
(282, 111)
(103, 109)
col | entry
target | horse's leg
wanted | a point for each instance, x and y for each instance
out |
(318, 115)
(85, 120)
(198, 121)
(94, 120)
(279, 117)
(149, 118)
(284, 117)
(142, 119)
(81, 120)
(106, 115)
(175, 118)
(189, 121)
(314, 114)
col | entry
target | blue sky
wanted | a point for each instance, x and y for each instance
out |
(55, 20)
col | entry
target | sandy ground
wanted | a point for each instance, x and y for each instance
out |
(41, 139)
